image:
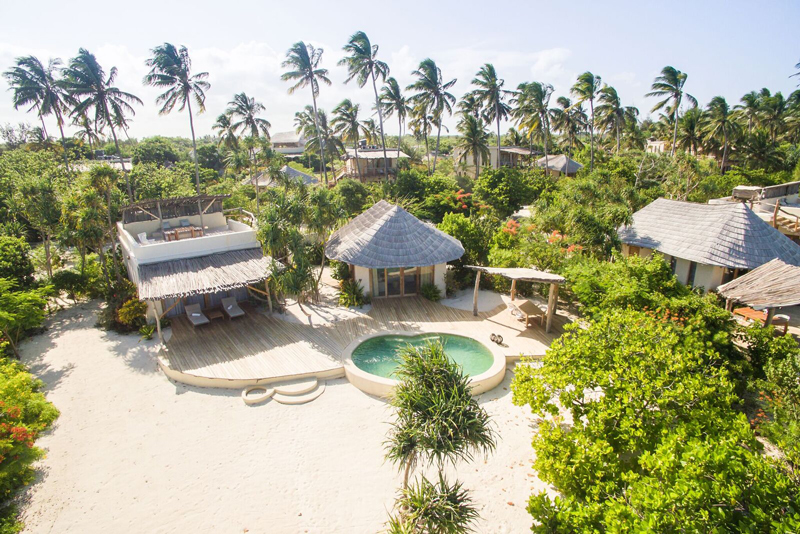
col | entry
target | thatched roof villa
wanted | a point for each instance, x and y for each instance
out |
(558, 165)
(392, 253)
(706, 244)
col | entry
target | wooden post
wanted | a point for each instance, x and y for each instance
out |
(269, 297)
(160, 220)
(552, 304)
(475, 295)
(158, 325)
(775, 213)
(770, 316)
(513, 289)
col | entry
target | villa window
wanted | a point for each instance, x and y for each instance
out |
(397, 281)
(425, 275)
(692, 272)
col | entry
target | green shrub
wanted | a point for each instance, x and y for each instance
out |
(70, 282)
(352, 294)
(119, 294)
(340, 270)
(24, 415)
(133, 313)
(431, 292)
(15, 262)
(147, 331)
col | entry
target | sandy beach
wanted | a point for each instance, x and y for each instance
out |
(134, 452)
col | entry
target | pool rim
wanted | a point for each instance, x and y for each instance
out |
(383, 387)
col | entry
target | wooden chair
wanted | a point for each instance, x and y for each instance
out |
(195, 315)
(231, 308)
(529, 310)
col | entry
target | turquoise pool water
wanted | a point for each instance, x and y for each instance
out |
(378, 355)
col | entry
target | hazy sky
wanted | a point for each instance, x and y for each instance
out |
(726, 47)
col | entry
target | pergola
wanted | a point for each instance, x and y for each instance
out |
(775, 284)
(526, 275)
(170, 208)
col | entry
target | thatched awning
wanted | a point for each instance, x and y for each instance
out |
(518, 273)
(387, 236)
(204, 274)
(560, 163)
(773, 285)
(170, 208)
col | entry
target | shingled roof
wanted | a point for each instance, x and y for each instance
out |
(726, 235)
(387, 236)
(560, 163)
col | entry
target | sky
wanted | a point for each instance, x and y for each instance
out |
(727, 48)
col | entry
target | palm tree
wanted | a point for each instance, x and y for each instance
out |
(774, 112)
(224, 128)
(514, 137)
(88, 85)
(362, 66)
(669, 85)
(471, 105)
(319, 136)
(690, 130)
(532, 109)
(490, 93)
(749, 109)
(304, 61)
(759, 151)
(370, 131)
(246, 110)
(346, 125)
(475, 140)
(421, 125)
(612, 114)
(171, 69)
(587, 88)
(86, 131)
(36, 85)
(432, 93)
(434, 507)
(394, 102)
(569, 120)
(720, 124)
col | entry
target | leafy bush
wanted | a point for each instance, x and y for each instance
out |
(133, 313)
(15, 262)
(70, 282)
(119, 294)
(340, 270)
(20, 312)
(24, 415)
(352, 294)
(431, 292)
(147, 331)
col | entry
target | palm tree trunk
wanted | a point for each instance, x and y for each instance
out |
(111, 237)
(358, 167)
(591, 135)
(255, 182)
(380, 121)
(438, 137)
(497, 115)
(399, 135)
(44, 127)
(617, 138)
(63, 142)
(675, 126)
(48, 261)
(428, 152)
(724, 150)
(319, 136)
(196, 165)
(546, 135)
(122, 163)
(475, 161)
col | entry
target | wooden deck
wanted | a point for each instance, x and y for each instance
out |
(264, 347)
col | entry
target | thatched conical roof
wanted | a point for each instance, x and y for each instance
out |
(387, 236)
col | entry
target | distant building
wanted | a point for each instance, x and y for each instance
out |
(558, 165)
(777, 205)
(290, 144)
(369, 163)
(510, 156)
(706, 244)
(655, 146)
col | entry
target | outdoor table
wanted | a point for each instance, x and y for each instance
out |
(761, 316)
(214, 314)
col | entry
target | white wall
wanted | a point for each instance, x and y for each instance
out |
(439, 271)
(210, 220)
(362, 277)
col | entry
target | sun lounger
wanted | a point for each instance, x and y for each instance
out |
(528, 310)
(195, 315)
(143, 238)
(185, 223)
(231, 307)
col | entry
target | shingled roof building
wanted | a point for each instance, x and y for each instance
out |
(706, 244)
(392, 253)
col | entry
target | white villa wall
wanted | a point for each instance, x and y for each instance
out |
(241, 237)
(362, 277)
(708, 277)
(439, 272)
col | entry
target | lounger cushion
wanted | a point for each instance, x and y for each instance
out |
(231, 307)
(195, 315)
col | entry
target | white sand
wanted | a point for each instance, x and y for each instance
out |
(134, 452)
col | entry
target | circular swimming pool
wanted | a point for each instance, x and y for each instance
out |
(370, 361)
(380, 355)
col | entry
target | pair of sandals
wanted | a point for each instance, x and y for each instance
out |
(496, 338)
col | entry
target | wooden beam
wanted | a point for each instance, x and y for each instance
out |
(267, 293)
(513, 289)
(770, 316)
(552, 304)
(475, 295)
(170, 308)
(158, 325)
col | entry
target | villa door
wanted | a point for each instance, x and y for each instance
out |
(395, 282)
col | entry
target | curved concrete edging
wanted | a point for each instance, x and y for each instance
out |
(384, 387)
(239, 383)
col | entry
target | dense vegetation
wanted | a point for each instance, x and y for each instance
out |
(673, 400)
